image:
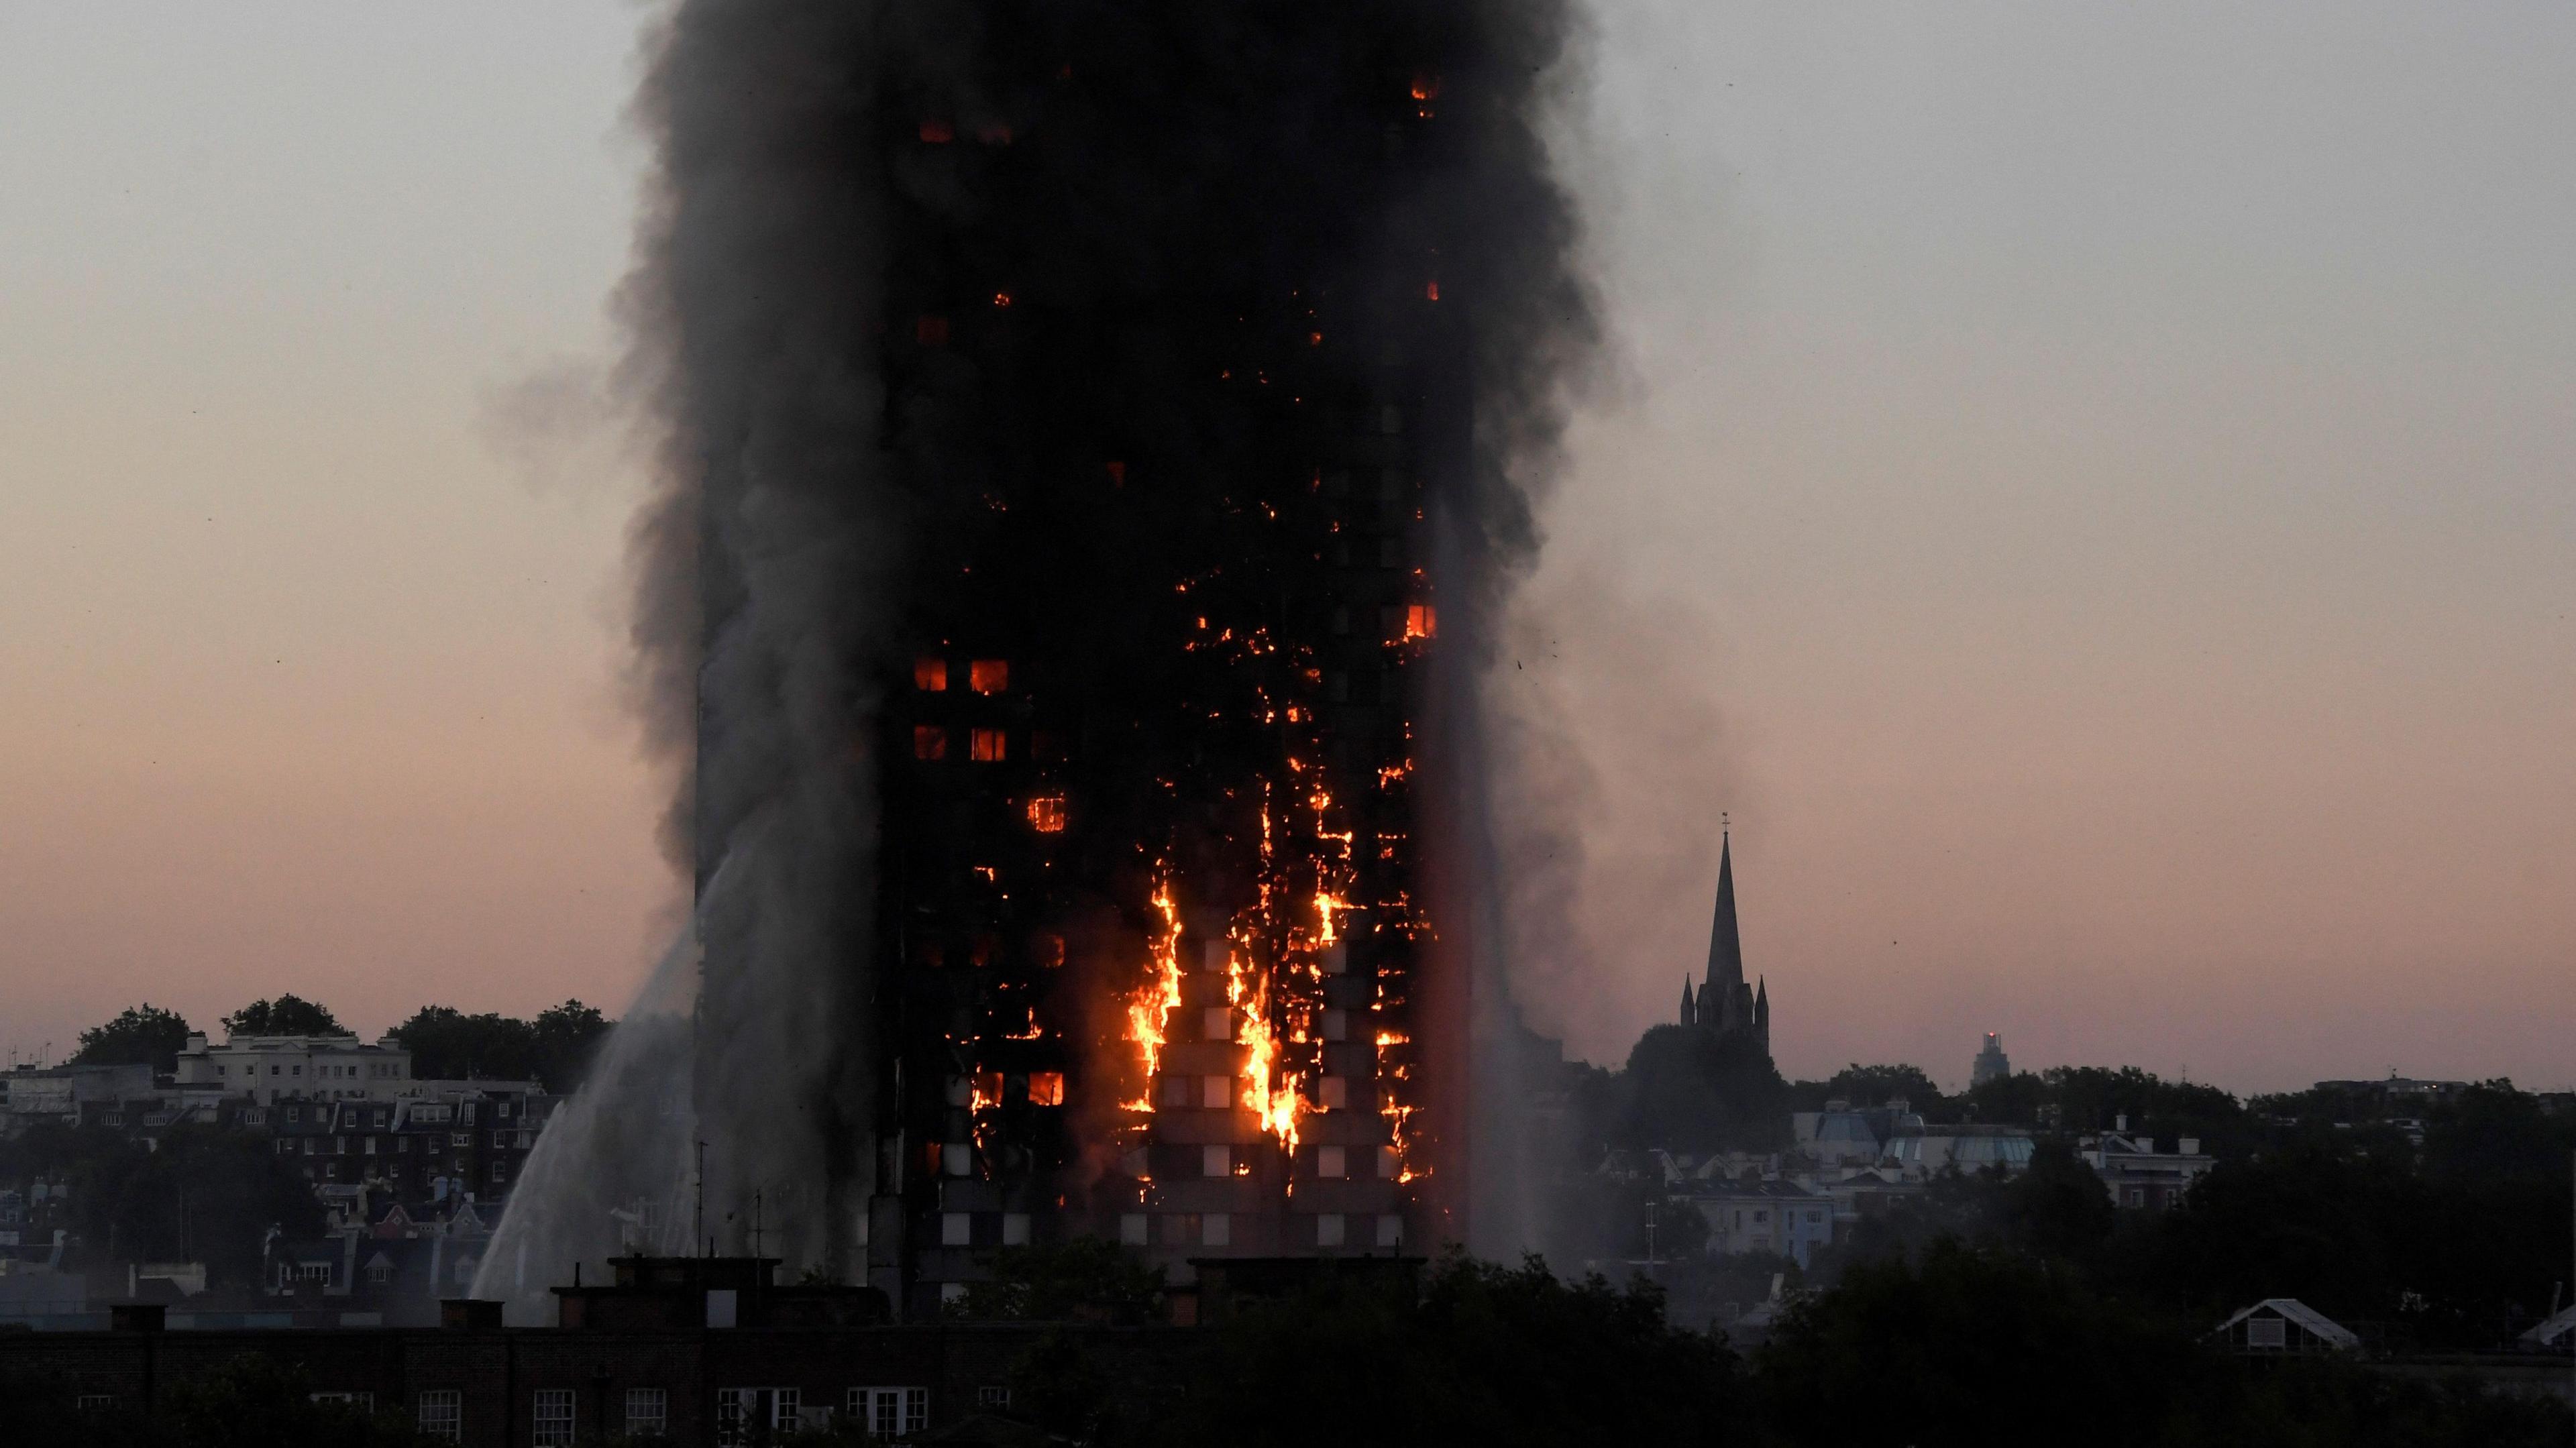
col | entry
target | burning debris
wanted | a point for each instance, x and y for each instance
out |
(1099, 437)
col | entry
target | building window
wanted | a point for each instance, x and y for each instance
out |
(1329, 1229)
(95, 1402)
(989, 676)
(1335, 1093)
(500, 1171)
(1330, 1162)
(1216, 1161)
(1216, 1229)
(554, 1418)
(1390, 1230)
(785, 1408)
(987, 746)
(929, 741)
(2271, 1332)
(380, 1272)
(441, 1414)
(1216, 1093)
(1046, 1088)
(890, 1412)
(956, 1229)
(1216, 1023)
(1015, 1229)
(363, 1402)
(1047, 814)
(930, 675)
(648, 1412)
(1337, 1023)
(993, 1399)
(1176, 1090)
(1131, 1229)
(1390, 1165)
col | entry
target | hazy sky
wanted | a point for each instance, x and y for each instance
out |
(2087, 487)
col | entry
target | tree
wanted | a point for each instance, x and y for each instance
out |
(447, 1044)
(562, 1039)
(1085, 1279)
(1687, 1090)
(285, 1016)
(205, 1195)
(143, 1035)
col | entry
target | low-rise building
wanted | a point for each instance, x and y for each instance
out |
(2139, 1176)
(272, 1068)
(1778, 1217)
(2285, 1325)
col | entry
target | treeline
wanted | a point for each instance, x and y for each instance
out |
(1956, 1344)
(553, 1048)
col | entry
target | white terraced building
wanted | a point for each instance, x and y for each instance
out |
(270, 1068)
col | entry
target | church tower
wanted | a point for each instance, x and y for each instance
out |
(1726, 1005)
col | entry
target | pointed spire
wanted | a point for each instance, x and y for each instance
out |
(1690, 1015)
(1725, 950)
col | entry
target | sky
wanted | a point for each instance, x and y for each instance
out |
(2085, 489)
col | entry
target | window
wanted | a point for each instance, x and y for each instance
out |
(1216, 1229)
(1131, 1229)
(784, 1407)
(929, 741)
(554, 1418)
(648, 1412)
(1334, 1093)
(989, 676)
(1337, 1023)
(956, 1229)
(2269, 1332)
(1046, 1088)
(930, 675)
(1015, 1229)
(992, 1399)
(1330, 1162)
(500, 1171)
(1216, 1023)
(958, 1159)
(363, 1402)
(930, 331)
(1216, 1093)
(380, 1272)
(441, 1414)
(1046, 814)
(295, 1113)
(987, 746)
(1216, 1161)
(891, 1412)
(1390, 1165)
(96, 1402)
(1329, 1229)
(1176, 1090)
(1390, 1230)
(371, 1146)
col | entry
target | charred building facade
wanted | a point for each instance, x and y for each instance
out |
(1201, 355)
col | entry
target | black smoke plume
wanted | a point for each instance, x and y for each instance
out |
(1008, 328)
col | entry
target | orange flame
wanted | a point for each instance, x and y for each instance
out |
(1149, 1011)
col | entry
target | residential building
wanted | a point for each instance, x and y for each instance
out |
(1928, 1151)
(1773, 1216)
(2136, 1174)
(272, 1068)
(2287, 1326)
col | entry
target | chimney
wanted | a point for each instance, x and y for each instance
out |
(2120, 1123)
(2190, 1146)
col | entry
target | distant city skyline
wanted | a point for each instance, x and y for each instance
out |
(2087, 491)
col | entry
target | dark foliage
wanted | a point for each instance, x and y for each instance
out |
(206, 1194)
(554, 1049)
(1085, 1279)
(287, 1015)
(1860, 1085)
(1687, 1090)
(143, 1035)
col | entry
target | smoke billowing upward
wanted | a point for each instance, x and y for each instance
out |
(1179, 365)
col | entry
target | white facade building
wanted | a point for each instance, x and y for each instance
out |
(322, 1068)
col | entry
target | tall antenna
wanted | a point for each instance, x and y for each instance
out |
(698, 1223)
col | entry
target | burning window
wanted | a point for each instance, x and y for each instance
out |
(937, 133)
(989, 676)
(1117, 474)
(930, 331)
(1046, 814)
(1048, 952)
(1421, 621)
(929, 741)
(988, 1089)
(1330, 1163)
(1216, 1161)
(987, 746)
(1217, 1023)
(1046, 1088)
(930, 675)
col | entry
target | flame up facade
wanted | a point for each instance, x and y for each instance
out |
(1100, 443)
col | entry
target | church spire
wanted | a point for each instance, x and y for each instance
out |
(1725, 950)
(1690, 1015)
